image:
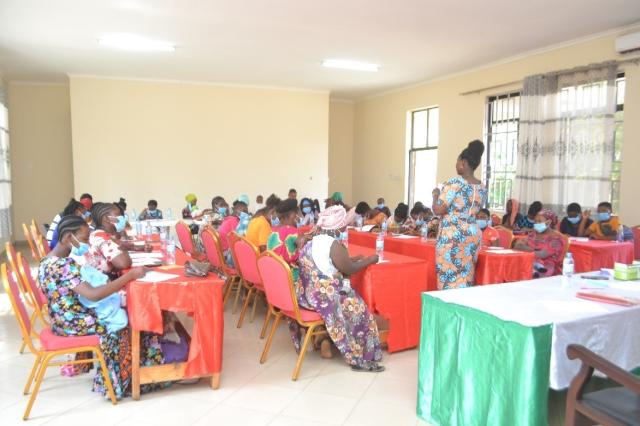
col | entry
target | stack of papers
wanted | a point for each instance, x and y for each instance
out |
(156, 277)
(146, 259)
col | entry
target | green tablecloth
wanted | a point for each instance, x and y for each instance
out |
(476, 369)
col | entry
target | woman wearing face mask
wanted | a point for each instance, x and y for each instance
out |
(546, 243)
(575, 223)
(512, 217)
(526, 222)
(152, 212)
(285, 239)
(459, 237)
(105, 252)
(308, 216)
(490, 237)
(72, 208)
(62, 283)
(259, 228)
(218, 211)
(237, 221)
(191, 211)
(606, 228)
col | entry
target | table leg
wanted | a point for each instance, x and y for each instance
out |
(215, 381)
(135, 368)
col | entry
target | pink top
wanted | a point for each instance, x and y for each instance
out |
(228, 224)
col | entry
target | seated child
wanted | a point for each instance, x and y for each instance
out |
(109, 309)
(575, 223)
(490, 237)
(151, 212)
(606, 225)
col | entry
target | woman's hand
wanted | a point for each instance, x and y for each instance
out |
(136, 273)
(372, 260)
(586, 214)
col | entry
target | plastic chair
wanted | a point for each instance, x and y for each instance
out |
(51, 345)
(32, 244)
(281, 295)
(213, 251)
(245, 257)
(506, 237)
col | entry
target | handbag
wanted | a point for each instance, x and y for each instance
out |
(196, 269)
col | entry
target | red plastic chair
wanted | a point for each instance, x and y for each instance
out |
(184, 237)
(51, 345)
(245, 257)
(281, 295)
(213, 251)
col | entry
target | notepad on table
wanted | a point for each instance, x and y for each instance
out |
(156, 277)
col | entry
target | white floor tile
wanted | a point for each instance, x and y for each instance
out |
(391, 390)
(368, 413)
(227, 415)
(266, 398)
(293, 421)
(321, 407)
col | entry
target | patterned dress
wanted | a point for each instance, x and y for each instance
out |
(282, 242)
(57, 277)
(349, 323)
(459, 236)
(553, 243)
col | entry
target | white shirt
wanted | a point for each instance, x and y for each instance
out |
(321, 254)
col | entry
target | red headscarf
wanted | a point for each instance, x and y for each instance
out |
(86, 202)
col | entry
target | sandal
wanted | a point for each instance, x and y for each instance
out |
(374, 368)
(325, 349)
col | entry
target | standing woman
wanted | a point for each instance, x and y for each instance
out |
(459, 237)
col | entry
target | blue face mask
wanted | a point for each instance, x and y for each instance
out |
(121, 223)
(604, 216)
(420, 222)
(306, 210)
(222, 211)
(243, 216)
(574, 220)
(381, 206)
(275, 221)
(482, 223)
(86, 215)
(81, 249)
(540, 227)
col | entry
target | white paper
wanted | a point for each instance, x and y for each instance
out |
(507, 251)
(146, 262)
(579, 239)
(367, 228)
(144, 255)
(156, 277)
(404, 237)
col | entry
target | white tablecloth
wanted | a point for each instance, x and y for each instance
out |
(609, 330)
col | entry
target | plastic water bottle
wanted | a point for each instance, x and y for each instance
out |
(148, 230)
(344, 237)
(138, 228)
(380, 245)
(171, 252)
(359, 223)
(163, 233)
(384, 227)
(133, 216)
(567, 269)
(424, 233)
(169, 213)
(620, 236)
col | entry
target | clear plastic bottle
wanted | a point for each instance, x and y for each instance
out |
(148, 230)
(380, 245)
(171, 252)
(384, 227)
(620, 236)
(424, 233)
(344, 237)
(568, 268)
(359, 223)
(169, 213)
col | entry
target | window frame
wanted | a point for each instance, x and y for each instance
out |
(412, 150)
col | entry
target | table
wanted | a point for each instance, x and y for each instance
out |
(595, 254)
(488, 354)
(202, 298)
(392, 289)
(493, 267)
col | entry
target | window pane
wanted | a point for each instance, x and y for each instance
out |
(425, 167)
(419, 137)
(620, 86)
(434, 132)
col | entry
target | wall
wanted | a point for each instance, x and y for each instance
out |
(341, 120)
(41, 161)
(380, 122)
(146, 139)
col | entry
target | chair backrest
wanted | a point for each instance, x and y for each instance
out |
(212, 250)
(42, 246)
(35, 229)
(30, 284)
(12, 258)
(31, 242)
(506, 237)
(245, 255)
(19, 310)
(184, 237)
(278, 282)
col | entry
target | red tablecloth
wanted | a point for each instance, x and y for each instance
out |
(392, 289)
(636, 240)
(594, 254)
(201, 297)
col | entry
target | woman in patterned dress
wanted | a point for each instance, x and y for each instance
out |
(285, 238)
(323, 263)
(60, 280)
(459, 237)
(546, 243)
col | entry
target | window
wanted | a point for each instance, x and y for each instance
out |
(616, 165)
(423, 154)
(5, 174)
(503, 115)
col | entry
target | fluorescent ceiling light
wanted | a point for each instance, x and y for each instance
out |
(135, 43)
(350, 65)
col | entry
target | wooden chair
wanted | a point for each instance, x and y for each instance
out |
(281, 295)
(614, 406)
(213, 251)
(51, 345)
(506, 237)
(32, 244)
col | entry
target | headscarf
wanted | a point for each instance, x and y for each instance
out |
(332, 218)
(515, 208)
(550, 215)
(190, 198)
(244, 198)
(86, 202)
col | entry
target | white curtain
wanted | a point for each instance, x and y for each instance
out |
(5, 176)
(566, 137)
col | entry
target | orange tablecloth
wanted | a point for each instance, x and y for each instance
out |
(392, 289)
(593, 255)
(201, 297)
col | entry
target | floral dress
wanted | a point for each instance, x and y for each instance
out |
(349, 323)
(282, 242)
(459, 236)
(57, 277)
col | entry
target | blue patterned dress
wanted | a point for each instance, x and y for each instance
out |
(459, 238)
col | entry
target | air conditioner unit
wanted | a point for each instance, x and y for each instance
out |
(628, 43)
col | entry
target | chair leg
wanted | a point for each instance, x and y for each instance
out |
(227, 292)
(36, 367)
(34, 394)
(22, 346)
(267, 344)
(238, 292)
(245, 306)
(303, 351)
(105, 375)
(253, 311)
(265, 324)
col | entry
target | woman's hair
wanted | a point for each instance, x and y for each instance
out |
(306, 200)
(272, 201)
(473, 154)
(152, 203)
(362, 207)
(100, 211)
(238, 203)
(534, 208)
(574, 208)
(121, 204)
(287, 206)
(417, 209)
(215, 200)
(71, 207)
(606, 205)
(485, 211)
(401, 211)
(70, 224)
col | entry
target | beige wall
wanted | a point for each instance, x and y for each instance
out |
(41, 161)
(380, 122)
(145, 139)
(341, 122)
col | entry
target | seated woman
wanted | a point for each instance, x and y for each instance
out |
(324, 262)
(259, 228)
(546, 243)
(191, 211)
(526, 222)
(373, 216)
(512, 217)
(107, 252)
(60, 279)
(237, 222)
(285, 238)
(490, 237)
(401, 221)
(72, 208)
(606, 228)
(218, 211)
(151, 212)
(308, 216)
(575, 223)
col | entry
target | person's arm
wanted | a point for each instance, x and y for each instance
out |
(111, 251)
(582, 228)
(439, 206)
(98, 293)
(522, 245)
(344, 263)
(143, 214)
(263, 236)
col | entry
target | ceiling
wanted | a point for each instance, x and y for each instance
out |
(282, 42)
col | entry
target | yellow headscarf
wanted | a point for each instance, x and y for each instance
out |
(190, 198)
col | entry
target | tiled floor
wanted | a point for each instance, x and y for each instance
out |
(327, 392)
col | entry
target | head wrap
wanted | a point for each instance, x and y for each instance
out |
(190, 198)
(244, 198)
(549, 215)
(515, 207)
(86, 202)
(334, 217)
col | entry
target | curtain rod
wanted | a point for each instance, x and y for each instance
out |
(635, 60)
